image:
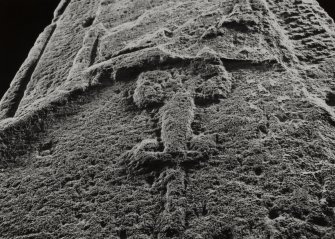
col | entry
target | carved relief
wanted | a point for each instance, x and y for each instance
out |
(177, 69)
(176, 92)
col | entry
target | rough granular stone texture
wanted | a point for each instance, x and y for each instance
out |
(152, 119)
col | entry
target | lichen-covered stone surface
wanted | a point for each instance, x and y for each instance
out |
(151, 119)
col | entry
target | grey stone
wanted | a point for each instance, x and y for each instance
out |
(173, 119)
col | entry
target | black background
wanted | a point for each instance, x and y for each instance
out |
(23, 20)
(21, 23)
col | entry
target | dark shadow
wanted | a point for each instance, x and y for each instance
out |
(21, 22)
(328, 6)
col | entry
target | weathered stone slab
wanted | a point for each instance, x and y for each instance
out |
(173, 119)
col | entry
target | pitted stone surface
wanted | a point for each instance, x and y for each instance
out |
(173, 119)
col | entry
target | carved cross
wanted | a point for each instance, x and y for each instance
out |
(176, 92)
